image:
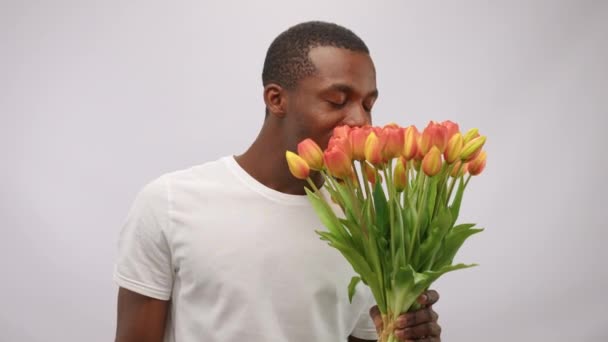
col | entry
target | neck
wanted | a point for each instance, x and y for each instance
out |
(265, 161)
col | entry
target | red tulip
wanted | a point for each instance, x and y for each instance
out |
(431, 164)
(342, 143)
(452, 128)
(434, 135)
(311, 153)
(297, 165)
(357, 137)
(392, 139)
(338, 163)
(341, 131)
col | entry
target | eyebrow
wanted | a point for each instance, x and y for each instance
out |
(348, 89)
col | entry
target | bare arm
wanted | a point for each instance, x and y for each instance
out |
(140, 318)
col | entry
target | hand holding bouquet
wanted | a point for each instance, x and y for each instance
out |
(400, 193)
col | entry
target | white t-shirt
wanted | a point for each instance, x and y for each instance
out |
(238, 260)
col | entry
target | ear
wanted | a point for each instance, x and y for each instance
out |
(275, 98)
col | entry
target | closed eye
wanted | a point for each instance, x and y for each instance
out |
(337, 105)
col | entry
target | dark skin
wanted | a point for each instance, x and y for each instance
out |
(342, 91)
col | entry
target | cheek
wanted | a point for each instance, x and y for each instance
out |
(320, 126)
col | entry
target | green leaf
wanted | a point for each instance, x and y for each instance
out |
(432, 196)
(352, 286)
(440, 226)
(455, 207)
(326, 215)
(381, 206)
(453, 242)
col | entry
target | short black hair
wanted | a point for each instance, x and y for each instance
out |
(287, 59)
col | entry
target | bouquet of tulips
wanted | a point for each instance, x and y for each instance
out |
(399, 193)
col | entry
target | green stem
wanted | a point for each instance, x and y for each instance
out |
(313, 185)
(365, 180)
(358, 183)
(454, 180)
(415, 237)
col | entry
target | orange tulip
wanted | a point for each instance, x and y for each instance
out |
(410, 142)
(472, 148)
(342, 143)
(477, 165)
(431, 164)
(400, 175)
(370, 173)
(338, 163)
(357, 137)
(392, 139)
(452, 151)
(459, 169)
(434, 135)
(341, 131)
(373, 149)
(311, 153)
(452, 128)
(297, 165)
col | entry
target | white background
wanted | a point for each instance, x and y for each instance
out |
(99, 97)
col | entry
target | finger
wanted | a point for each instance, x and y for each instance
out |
(374, 312)
(426, 330)
(430, 297)
(421, 316)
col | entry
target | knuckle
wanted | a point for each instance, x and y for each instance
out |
(374, 311)
(435, 329)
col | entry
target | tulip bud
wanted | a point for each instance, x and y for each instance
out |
(392, 140)
(342, 143)
(470, 135)
(297, 165)
(370, 172)
(400, 175)
(357, 137)
(452, 152)
(338, 163)
(452, 128)
(459, 169)
(410, 143)
(311, 153)
(477, 165)
(431, 164)
(373, 149)
(472, 148)
(434, 135)
(341, 131)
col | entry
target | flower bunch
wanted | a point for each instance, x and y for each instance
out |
(399, 192)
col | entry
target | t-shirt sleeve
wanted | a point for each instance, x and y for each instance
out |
(144, 258)
(365, 328)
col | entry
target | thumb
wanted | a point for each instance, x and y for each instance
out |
(374, 312)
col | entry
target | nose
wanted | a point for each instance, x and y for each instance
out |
(358, 116)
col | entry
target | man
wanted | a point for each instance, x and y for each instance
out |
(226, 251)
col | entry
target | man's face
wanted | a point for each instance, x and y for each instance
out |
(341, 92)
